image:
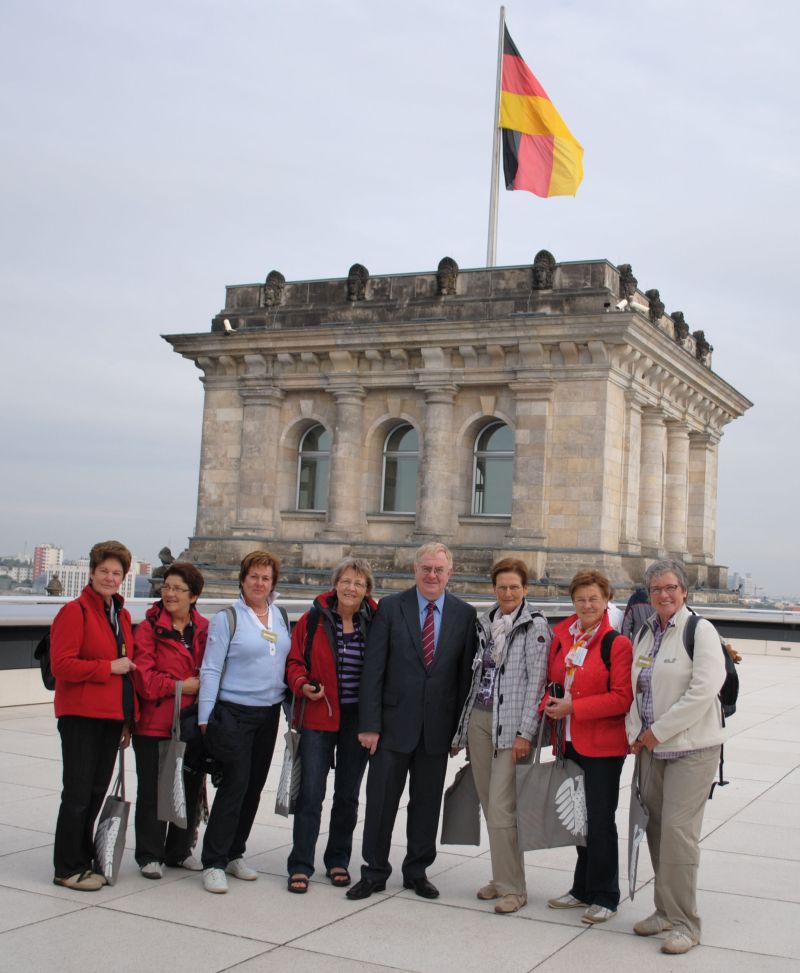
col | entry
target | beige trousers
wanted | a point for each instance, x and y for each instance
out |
(496, 783)
(675, 792)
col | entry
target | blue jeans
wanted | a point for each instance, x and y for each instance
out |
(317, 750)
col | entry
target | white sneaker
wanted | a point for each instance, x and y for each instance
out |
(152, 870)
(597, 913)
(240, 869)
(214, 880)
(566, 902)
(192, 864)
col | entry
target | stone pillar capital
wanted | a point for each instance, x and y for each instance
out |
(439, 394)
(261, 395)
(652, 416)
(347, 394)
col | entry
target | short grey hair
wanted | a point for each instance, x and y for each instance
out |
(357, 564)
(433, 548)
(667, 567)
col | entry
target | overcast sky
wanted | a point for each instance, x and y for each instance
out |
(154, 152)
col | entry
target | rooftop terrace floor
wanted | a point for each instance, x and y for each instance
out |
(749, 882)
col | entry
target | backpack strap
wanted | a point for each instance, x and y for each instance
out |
(230, 611)
(605, 647)
(311, 630)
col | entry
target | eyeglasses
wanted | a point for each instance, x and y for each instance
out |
(667, 589)
(427, 569)
(588, 602)
(511, 589)
(350, 583)
(174, 589)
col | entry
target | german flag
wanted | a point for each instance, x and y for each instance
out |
(540, 154)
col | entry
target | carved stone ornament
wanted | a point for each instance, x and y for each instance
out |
(544, 267)
(656, 305)
(627, 282)
(702, 348)
(157, 577)
(357, 278)
(681, 327)
(273, 288)
(446, 276)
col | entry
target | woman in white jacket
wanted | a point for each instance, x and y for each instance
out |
(675, 723)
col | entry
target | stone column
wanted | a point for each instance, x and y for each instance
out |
(702, 526)
(531, 445)
(677, 485)
(220, 448)
(631, 471)
(258, 468)
(345, 507)
(651, 482)
(436, 512)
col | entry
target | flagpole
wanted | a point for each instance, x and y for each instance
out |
(491, 246)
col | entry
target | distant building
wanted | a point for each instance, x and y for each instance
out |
(18, 572)
(75, 576)
(552, 411)
(45, 558)
(145, 567)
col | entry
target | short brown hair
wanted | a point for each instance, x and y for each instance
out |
(357, 564)
(510, 564)
(259, 559)
(104, 550)
(189, 573)
(583, 579)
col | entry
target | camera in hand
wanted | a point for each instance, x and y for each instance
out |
(314, 683)
(555, 690)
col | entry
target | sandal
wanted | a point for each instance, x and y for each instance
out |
(297, 884)
(339, 876)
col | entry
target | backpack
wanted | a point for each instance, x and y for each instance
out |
(230, 611)
(728, 694)
(42, 655)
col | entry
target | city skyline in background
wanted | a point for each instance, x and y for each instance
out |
(209, 158)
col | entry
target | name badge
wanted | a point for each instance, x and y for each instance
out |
(644, 662)
(270, 637)
(579, 656)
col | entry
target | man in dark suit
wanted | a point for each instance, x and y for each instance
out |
(416, 676)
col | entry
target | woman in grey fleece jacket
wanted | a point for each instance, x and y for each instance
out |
(500, 717)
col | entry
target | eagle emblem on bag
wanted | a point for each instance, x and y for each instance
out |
(571, 805)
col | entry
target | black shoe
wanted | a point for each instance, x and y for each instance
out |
(365, 888)
(422, 887)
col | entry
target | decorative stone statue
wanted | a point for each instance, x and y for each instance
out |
(681, 327)
(544, 267)
(157, 577)
(54, 587)
(627, 282)
(446, 276)
(273, 288)
(702, 348)
(656, 305)
(357, 278)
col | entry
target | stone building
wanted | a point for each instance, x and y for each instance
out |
(551, 410)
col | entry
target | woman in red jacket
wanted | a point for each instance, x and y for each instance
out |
(170, 643)
(324, 673)
(91, 649)
(590, 669)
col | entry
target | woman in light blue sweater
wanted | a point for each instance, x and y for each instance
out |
(241, 690)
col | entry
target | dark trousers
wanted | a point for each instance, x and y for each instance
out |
(243, 778)
(596, 879)
(88, 751)
(155, 840)
(318, 748)
(388, 770)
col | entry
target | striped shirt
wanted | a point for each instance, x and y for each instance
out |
(351, 661)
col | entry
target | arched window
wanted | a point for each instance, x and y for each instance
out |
(400, 464)
(494, 466)
(313, 469)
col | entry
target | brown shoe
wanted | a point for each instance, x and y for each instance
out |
(81, 882)
(488, 892)
(509, 903)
